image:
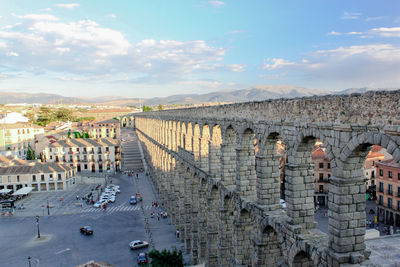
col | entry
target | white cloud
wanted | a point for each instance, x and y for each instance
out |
(216, 3)
(373, 64)
(351, 15)
(81, 48)
(277, 63)
(236, 67)
(39, 17)
(113, 16)
(386, 32)
(334, 33)
(69, 6)
(12, 54)
(355, 33)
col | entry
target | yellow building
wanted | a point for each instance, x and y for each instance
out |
(17, 173)
(15, 138)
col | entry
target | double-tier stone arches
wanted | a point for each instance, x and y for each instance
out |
(222, 178)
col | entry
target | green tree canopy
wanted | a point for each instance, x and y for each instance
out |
(160, 107)
(31, 154)
(147, 109)
(166, 258)
(64, 114)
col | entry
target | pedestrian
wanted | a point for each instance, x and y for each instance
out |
(137, 176)
(77, 197)
(158, 216)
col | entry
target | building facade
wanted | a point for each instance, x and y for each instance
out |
(85, 154)
(16, 138)
(103, 129)
(388, 192)
(15, 174)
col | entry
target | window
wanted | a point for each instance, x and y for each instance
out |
(390, 174)
(33, 178)
(329, 175)
(380, 172)
(321, 188)
(390, 203)
(398, 191)
(51, 157)
(42, 177)
(59, 176)
(108, 149)
(77, 149)
(398, 205)
(329, 165)
(321, 176)
(381, 187)
(381, 200)
(17, 178)
(9, 179)
(373, 174)
(85, 166)
(51, 150)
(398, 176)
(321, 165)
(390, 189)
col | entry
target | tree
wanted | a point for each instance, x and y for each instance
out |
(160, 107)
(31, 116)
(147, 109)
(166, 258)
(64, 114)
(30, 155)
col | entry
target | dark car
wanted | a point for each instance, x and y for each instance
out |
(133, 200)
(142, 258)
(87, 230)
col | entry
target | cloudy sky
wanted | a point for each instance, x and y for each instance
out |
(153, 48)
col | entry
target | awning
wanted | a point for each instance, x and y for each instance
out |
(23, 191)
(5, 191)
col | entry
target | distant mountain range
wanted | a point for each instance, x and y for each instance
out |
(255, 93)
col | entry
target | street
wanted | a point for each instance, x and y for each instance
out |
(61, 243)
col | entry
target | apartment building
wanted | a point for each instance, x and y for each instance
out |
(85, 154)
(103, 129)
(15, 138)
(388, 192)
(16, 173)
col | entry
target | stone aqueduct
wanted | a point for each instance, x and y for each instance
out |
(217, 171)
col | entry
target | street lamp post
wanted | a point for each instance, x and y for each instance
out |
(37, 223)
(48, 208)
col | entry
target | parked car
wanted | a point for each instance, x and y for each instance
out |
(86, 230)
(142, 258)
(111, 199)
(133, 200)
(136, 244)
(99, 203)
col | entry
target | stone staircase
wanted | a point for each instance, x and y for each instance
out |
(131, 158)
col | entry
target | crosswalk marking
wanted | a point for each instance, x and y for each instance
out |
(121, 208)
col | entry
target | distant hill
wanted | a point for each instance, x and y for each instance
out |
(255, 93)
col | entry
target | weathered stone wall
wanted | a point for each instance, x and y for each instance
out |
(372, 108)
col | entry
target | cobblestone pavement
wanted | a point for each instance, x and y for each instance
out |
(385, 250)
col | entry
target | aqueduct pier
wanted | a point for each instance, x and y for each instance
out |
(217, 171)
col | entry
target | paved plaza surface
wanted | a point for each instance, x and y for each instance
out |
(61, 243)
